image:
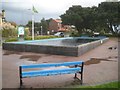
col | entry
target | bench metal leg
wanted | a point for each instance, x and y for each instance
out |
(82, 73)
(81, 78)
(20, 74)
(21, 83)
(75, 75)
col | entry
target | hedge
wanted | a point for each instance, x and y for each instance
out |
(30, 38)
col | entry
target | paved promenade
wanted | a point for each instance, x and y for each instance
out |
(101, 66)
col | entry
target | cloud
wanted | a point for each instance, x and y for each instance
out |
(48, 5)
(46, 8)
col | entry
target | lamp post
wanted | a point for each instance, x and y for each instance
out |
(32, 25)
(33, 11)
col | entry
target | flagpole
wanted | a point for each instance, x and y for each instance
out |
(32, 25)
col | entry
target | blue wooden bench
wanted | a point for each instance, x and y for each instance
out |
(74, 67)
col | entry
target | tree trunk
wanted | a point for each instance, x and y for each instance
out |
(111, 29)
(79, 31)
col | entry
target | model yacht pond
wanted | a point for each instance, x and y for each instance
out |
(68, 46)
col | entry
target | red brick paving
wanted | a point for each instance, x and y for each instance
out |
(103, 72)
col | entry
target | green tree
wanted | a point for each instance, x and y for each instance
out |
(44, 25)
(109, 15)
(27, 32)
(37, 27)
(73, 17)
(82, 18)
(9, 30)
(29, 24)
(104, 19)
(48, 21)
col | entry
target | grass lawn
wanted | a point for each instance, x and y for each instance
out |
(107, 85)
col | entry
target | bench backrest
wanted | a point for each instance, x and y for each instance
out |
(44, 65)
(78, 67)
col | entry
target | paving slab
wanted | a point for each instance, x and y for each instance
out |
(101, 66)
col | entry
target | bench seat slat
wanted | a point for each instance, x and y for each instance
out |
(51, 65)
(49, 72)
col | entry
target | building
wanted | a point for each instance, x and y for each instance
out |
(3, 16)
(0, 20)
(55, 25)
(4, 23)
(65, 28)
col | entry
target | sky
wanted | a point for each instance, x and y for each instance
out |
(19, 11)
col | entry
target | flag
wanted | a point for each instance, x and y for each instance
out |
(34, 10)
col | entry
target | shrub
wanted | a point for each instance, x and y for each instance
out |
(11, 39)
(9, 30)
(40, 37)
(27, 32)
(74, 34)
(30, 38)
(44, 37)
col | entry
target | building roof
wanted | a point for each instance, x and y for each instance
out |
(63, 30)
(58, 20)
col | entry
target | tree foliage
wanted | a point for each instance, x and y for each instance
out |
(103, 19)
(44, 26)
(37, 26)
(8, 30)
(109, 13)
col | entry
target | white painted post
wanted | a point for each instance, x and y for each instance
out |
(32, 25)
